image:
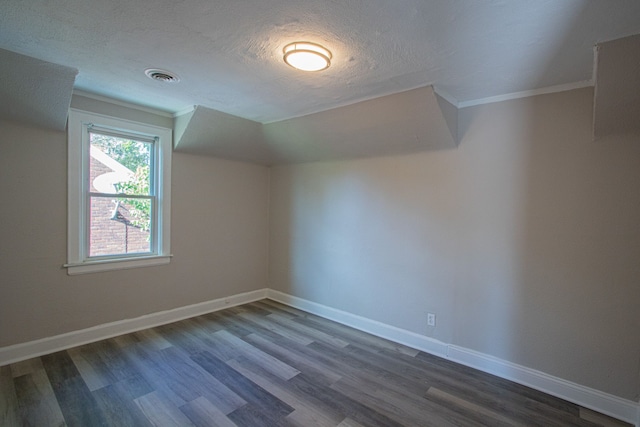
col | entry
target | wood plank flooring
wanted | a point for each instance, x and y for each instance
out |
(265, 364)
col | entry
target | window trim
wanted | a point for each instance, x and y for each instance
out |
(78, 261)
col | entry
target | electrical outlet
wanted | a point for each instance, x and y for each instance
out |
(431, 319)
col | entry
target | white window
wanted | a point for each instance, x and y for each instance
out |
(119, 193)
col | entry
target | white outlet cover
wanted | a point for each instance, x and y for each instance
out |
(431, 319)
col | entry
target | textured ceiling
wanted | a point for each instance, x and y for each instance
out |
(228, 53)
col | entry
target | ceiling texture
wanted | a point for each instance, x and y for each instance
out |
(228, 54)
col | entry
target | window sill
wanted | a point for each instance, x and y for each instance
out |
(115, 264)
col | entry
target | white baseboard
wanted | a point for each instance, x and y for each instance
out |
(614, 406)
(23, 351)
(596, 400)
(401, 336)
(604, 403)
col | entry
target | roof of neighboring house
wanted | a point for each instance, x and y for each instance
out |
(105, 183)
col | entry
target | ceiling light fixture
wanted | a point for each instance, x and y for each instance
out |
(307, 56)
(161, 75)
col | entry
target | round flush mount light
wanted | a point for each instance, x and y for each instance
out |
(161, 75)
(307, 56)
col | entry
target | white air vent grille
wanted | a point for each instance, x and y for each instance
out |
(162, 75)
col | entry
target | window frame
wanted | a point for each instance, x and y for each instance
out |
(78, 260)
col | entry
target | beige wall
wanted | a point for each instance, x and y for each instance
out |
(219, 239)
(524, 240)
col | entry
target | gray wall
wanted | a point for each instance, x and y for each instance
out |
(524, 240)
(219, 238)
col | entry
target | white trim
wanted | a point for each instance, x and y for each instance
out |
(449, 98)
(350, 103)
(115, 264)
(78, 261)
(526, 93)
(102, 98)
(401, 336)
(184, 111)
(23, 351)
(605, 403)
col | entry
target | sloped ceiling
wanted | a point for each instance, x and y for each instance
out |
(415, 120)
(229, 53)
(405, 122)
(35, 91)
(377, 97)
(210, 132)
(617, 94)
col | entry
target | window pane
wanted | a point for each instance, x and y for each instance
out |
(119, 226)
(119, 165)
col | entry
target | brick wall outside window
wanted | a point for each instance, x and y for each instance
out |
(111, 235)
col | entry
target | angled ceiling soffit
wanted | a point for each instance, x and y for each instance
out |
(406, 122)
(214, 133)
(34, 91)
(402, 123)
(617, 87)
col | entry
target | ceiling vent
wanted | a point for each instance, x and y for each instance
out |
(162, 75)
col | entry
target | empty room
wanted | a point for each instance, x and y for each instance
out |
(320, 213)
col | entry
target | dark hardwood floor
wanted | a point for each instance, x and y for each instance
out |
(265, 364)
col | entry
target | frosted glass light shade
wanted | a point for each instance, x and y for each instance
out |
(307, 56)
